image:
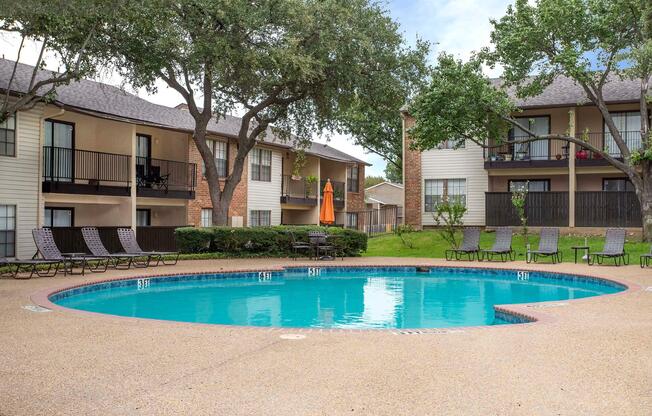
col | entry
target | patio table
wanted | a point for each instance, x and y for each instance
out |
(586, 248)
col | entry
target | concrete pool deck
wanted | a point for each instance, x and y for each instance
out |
(590, 357)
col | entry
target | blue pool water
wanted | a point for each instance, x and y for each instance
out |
(333, 298)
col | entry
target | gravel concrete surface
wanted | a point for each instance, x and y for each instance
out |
(586, 357)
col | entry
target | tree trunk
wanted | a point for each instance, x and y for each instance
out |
(645, 198)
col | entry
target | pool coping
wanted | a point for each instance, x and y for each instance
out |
(529, 312)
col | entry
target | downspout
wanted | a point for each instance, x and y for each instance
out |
(39, 194)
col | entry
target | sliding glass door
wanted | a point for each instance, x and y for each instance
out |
(59, 151)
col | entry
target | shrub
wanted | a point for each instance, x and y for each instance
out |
(404, 232)
(449, 219)
(263, 241)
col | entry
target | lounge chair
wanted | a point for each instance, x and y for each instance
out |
(502, 246)
(130, 245)
(614, 248)
(298, 246)
(48, 249)
(548, 246)
(120, 261)
(31, 266)
(646, 259)
(470, 245)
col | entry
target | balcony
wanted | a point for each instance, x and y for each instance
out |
(74, 171)
(295, 191)
(338, 193)
(159, 178)
(539, 154)
(603, 140)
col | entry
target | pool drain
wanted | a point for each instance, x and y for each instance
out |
(292, 336)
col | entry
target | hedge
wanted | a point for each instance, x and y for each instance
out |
(263, 241)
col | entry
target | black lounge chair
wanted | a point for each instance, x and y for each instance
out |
(120, 261)
(298, 246)
(646, 259)
(130, 245)
(48, 249)
(502, 246)
(548, 246)
(614, 248)
(16, 266)
(319, 242)
(470, 245)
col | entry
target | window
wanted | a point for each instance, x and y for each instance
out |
(261, 165)
(629, 125)
(452, 144)
(219, 150)
(58, 217)
(7, 230)
(537, 185)
(143, 217)
(352, 179)
(617, 185)
(538, 150)
(8, 137)
(440, 190)
(260, 218)
(352, 220)
(206, 217)
(59, 155)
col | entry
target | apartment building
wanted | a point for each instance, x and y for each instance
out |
(569, 186)
(99, 156)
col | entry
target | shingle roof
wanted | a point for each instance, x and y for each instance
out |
(105, 100)
(564, 91)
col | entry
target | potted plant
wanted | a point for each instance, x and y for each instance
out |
(310, 181)
(558, 156)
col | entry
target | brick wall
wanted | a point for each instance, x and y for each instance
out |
(411, 179)
(355, 200)
(202, 197)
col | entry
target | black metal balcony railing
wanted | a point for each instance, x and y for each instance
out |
(89, 172)
(605, 142)
(541, 150)
(338, 189)
(298, 188)
(165, 175)
(69, 165)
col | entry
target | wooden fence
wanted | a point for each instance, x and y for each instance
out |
(541, 209)
(70, 239)
(607, 209)
(375, 221)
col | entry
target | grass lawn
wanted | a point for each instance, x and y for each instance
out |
(430, 244)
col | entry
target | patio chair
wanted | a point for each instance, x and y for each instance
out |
(31, 266)
(120, 261)
(614, 248)
(548, 246)
(298, 246)
(130, 246)
(319, 242)
(646, 259)
(470, 245)
(48, 249)
(502, 246)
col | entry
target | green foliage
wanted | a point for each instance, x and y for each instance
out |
(263, 241)
(405, 232)
(394, 173)
(373, 180)
(519, 197)
(449, 217)
(460, 103)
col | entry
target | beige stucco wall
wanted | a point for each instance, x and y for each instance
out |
(100, 214)
(166, 215)
(593, 182)
(558, 183)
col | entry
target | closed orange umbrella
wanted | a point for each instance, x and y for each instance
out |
(327, 212)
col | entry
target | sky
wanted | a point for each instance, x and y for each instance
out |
(455, 26)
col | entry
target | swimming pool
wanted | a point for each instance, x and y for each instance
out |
(334, 297)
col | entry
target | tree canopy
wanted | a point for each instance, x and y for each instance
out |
(593, 42)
